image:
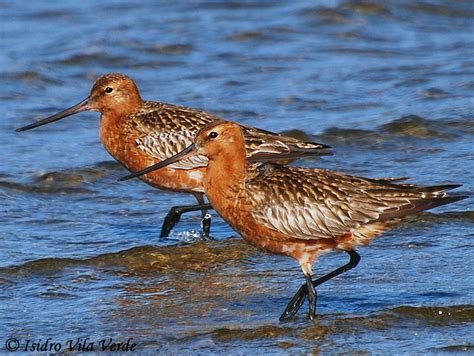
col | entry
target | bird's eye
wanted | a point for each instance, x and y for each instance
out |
(213, 134)
(109, 90)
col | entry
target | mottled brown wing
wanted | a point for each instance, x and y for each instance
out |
(312, 203)
(166, 130)
(262, 143)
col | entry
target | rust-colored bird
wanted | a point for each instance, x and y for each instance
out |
(139, 133)
(300, 212)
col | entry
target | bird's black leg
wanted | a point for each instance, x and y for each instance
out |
(174, 215)
(312, 297)
(206, 217)
(295, 303)
(298, 299)
(206, 225)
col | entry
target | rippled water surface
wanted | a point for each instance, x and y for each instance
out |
(388, 84)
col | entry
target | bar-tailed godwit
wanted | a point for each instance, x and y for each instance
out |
(300, 212)
(139, 133)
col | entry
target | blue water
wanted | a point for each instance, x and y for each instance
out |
(388, 84)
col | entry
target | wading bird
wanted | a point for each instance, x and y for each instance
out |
(139, 133)
(300, 212)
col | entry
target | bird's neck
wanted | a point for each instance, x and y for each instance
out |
(225, 176)
(117, 133)
(121, 109)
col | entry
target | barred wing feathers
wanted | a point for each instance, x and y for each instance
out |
(314, 203)
(167, 129)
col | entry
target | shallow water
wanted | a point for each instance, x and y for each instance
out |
(388, 84)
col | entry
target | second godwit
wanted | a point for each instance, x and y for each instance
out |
(300, 212)
(139, 133)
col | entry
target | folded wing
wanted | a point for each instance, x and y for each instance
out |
(314, 204)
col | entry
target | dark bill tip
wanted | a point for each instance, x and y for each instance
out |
(79, 107)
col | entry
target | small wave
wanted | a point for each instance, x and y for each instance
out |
(366, 8)
(73, 181)
(411, 126)
(352, 9)
(416, 126)
(453, 348)
(443, 10)
(264, 331)
(42, 189)
(246, 36)
(32, 78)
(88, 174)
(171, 49)
(344, 12)
(404, 316)
(341, 135)
(400, 317)
(327, 15)
(436, 314)
(235, 5)
(434, 93)
(201, 256)
(96, 58)
(467, 216)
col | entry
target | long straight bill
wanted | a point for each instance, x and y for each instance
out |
(187, 152)
(82, 106)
